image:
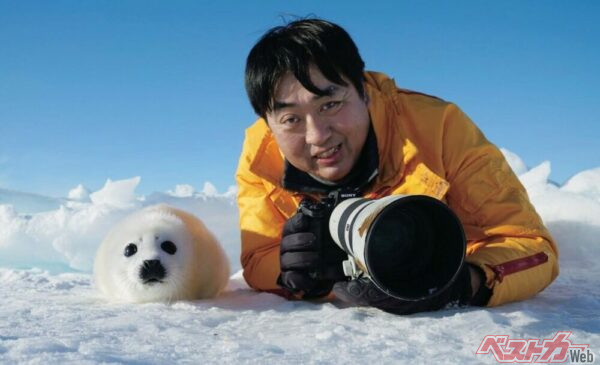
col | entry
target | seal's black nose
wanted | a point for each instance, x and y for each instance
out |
(152, 271)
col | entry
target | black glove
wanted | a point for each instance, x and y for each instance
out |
(363, 292)
(310, 261)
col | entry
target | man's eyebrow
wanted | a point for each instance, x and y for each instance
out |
(329, 91)
(278, 105)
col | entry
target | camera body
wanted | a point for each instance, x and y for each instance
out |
(331, 254)
(324, 207)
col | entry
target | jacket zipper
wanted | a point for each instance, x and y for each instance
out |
(513, 266)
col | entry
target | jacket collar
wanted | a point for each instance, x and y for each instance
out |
(268, 162)
(386, 111)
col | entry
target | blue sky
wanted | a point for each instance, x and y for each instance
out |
(91, 90)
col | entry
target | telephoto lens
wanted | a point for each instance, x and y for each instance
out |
(411, 246)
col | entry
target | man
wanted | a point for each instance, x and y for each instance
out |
(325, 124)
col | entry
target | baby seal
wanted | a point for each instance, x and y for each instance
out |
(160, 253)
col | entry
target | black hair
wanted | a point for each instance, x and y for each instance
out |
(294, 47)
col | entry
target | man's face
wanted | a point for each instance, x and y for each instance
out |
(321, 135)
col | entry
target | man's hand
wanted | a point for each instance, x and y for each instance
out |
(363, 292)
(309, 268)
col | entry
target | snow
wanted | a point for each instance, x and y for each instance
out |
(79, 193)
(183, 191)
(51, 312)
(118, 194)
(585, 183)
(31, 203)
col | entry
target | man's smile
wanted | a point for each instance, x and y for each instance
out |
(328, 153)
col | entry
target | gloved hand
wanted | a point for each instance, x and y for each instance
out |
(363, 292)
(310, 261)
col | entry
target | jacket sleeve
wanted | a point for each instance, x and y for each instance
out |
(260, 225)
(505, 235)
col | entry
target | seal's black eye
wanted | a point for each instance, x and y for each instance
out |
(130, 250)
(169, 247)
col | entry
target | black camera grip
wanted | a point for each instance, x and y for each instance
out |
(331, 256)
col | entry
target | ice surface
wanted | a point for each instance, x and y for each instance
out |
(585, 183)
(182, 191)
(51, 313)
(68, 236)
(118, 194)
(28, 203)
(79, 193)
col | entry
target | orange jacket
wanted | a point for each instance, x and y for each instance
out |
(426, 146)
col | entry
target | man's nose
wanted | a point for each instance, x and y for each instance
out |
(318, 130)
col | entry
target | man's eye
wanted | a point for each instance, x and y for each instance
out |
(332, 105)
(290, 120)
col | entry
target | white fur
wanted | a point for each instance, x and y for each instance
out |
(198, 269)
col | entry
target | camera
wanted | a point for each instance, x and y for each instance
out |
(411, 246)
(331, 254)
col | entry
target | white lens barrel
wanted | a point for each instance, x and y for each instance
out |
(350, 220)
